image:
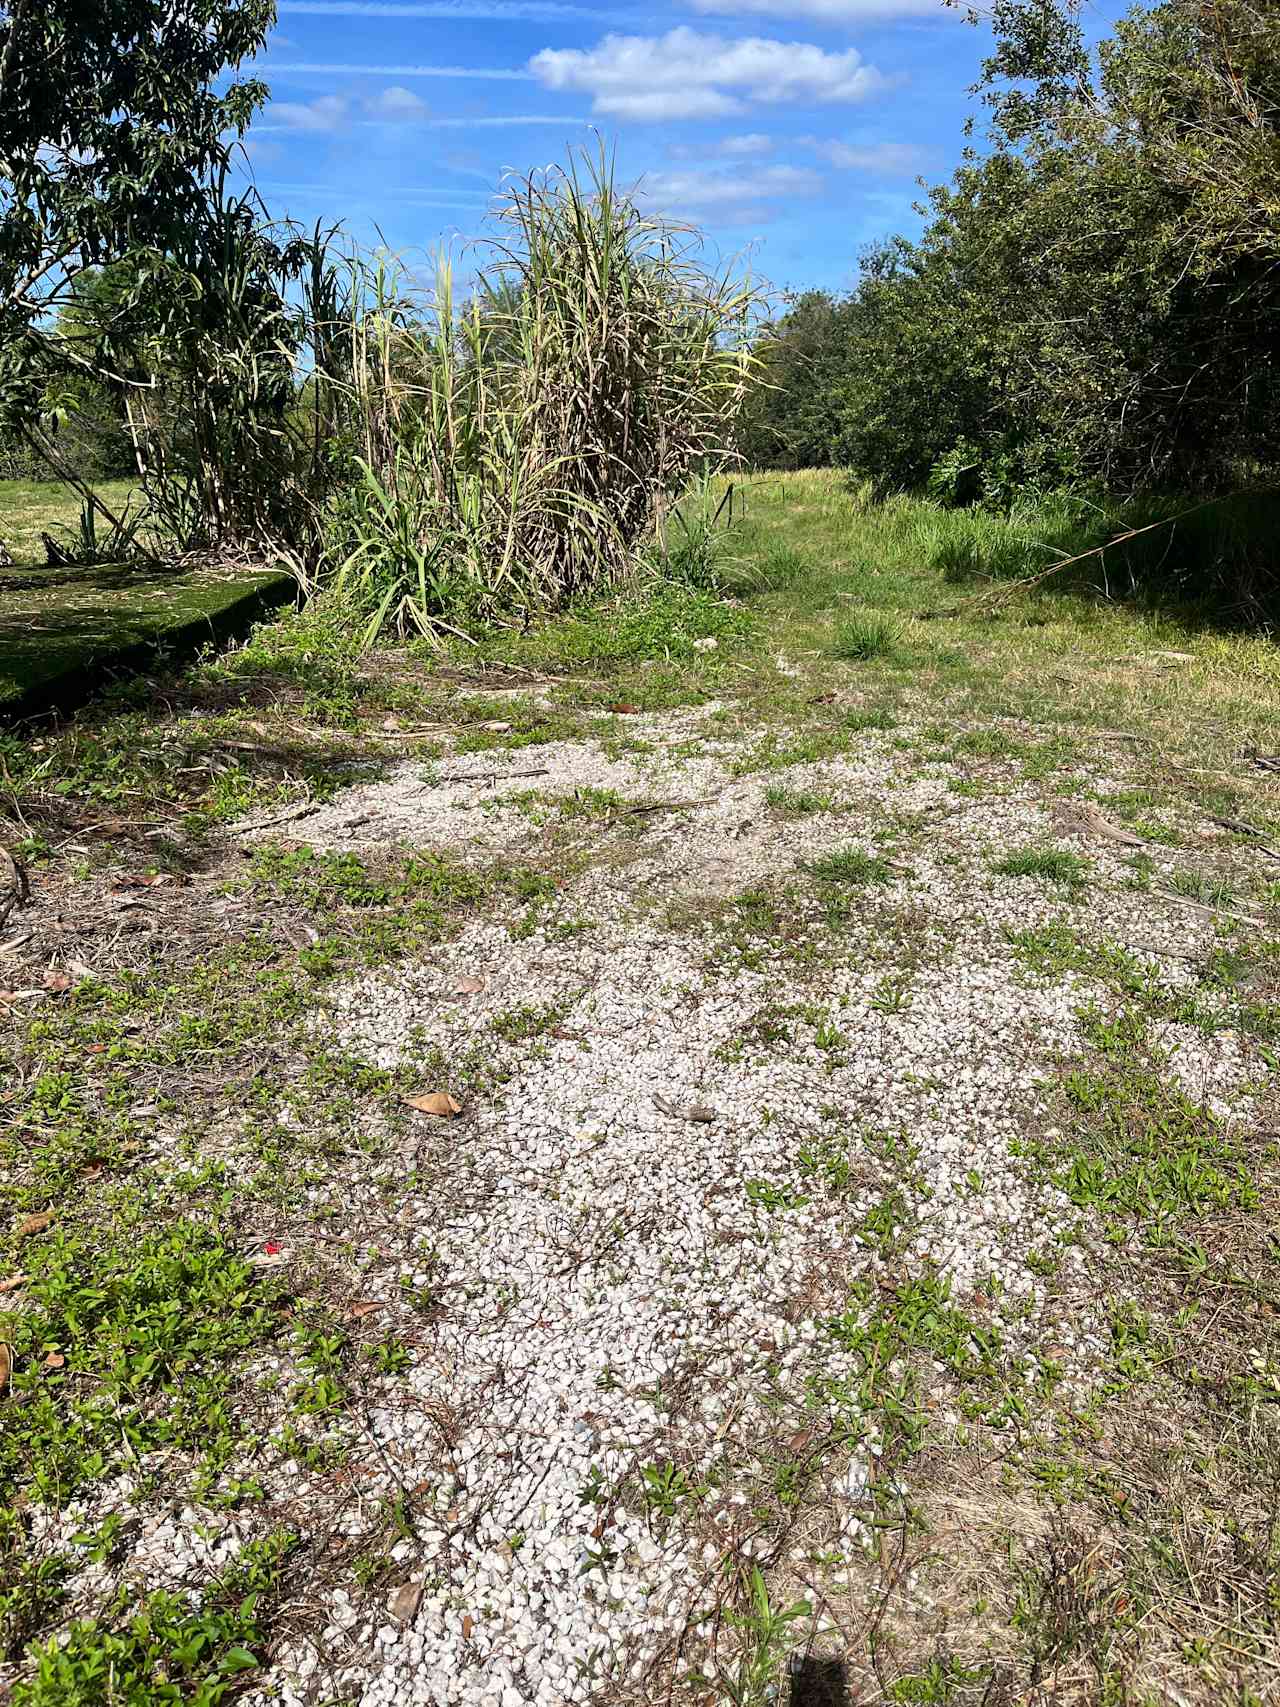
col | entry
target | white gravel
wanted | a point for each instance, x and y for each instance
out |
(629, 1297)
(616, 1286)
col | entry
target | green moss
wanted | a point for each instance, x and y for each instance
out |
(56, 625)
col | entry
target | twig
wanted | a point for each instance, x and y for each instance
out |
(1207, 907)
(669, 806)
(485, 776)
(1238, 827)
(299, 811)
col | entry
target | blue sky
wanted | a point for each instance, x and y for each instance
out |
(791, 129)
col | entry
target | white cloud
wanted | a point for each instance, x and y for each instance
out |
(511, 11)
(396, 106)
(687, 75)
(826, 11)
(753, 144)
(745, 147)
(325, 113)
(326, 68)
(727, 193)
(887, 158)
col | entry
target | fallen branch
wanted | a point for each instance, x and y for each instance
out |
(1207, 907)
(485, 776)
(989, 600)
(299, 811)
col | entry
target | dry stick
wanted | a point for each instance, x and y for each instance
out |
(280, 818)
(485, 776)
(1206, 907)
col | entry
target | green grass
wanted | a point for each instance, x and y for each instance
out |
(29, 508)
(144, 1286)
(852, 867)
(863, 637)
(1051, 865)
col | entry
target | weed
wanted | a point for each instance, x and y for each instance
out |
(851, 867)
(797, 802)
(1051, 865)
(864, 636)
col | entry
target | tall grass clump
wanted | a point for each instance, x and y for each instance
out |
(519, 450)
(1217, 554)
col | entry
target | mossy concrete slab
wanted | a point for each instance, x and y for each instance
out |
(64, 631)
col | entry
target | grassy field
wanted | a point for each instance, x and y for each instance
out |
(883, 825)
(30, 508)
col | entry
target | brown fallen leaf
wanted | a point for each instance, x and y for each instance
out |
(625, 710)
(1094, 821)
(438, 1103)
(468, 1625)
(366, 1307)
(404, 1601)
(6, 1365)
(684, 1110)
(33, 1224)
(467, 986)
(14, 1282)
(54, 1360)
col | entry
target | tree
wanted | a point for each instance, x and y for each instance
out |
(792, 417)
(1098, 296)
(111, 134)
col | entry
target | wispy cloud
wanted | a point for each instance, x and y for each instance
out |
(304, 118)
(410, 196)
(321, 68)
(326, 113)
(890, 159)
(825, 11)
(749, 146)
(397, 106)
(728, 193)
(687, 75)
(517, 11)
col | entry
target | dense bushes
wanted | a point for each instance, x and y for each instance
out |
(1096, 301)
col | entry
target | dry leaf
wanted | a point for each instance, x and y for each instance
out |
(13, 1283)
(467, 986)
(404, 1602)
(6, 1365)
(625, 710)
(439, 1103)
(1093, 820)
(366, 1307)
(33, 1224)
(468, 1625)
(55, 1360)
(684, 1111)
(56, 981)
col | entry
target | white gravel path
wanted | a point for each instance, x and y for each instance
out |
(629, 1297)
(618, 1286)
